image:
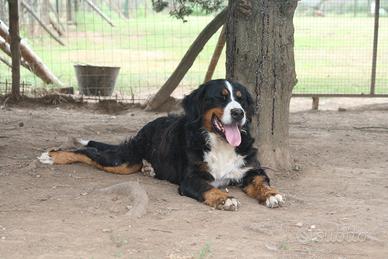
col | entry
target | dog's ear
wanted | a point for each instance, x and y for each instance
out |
(193, 104)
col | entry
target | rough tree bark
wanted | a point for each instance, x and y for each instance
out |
(260, 55)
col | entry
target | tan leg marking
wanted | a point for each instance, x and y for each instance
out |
(220, 200)
(259, 190)
(68, 157)
(121, 169)
(215, 197)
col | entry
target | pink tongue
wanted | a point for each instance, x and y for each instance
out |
(232, 134)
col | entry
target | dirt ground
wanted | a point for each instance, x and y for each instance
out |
(336, 198)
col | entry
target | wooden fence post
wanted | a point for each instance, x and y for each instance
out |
(13, 11)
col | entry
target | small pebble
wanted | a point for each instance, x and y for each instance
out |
(2, 238)
(271, 247)
(299, 224)
(312, 226)
(84, 193)
(297, 168)
(107, 230)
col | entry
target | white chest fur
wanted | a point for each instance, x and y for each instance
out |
(223, 162)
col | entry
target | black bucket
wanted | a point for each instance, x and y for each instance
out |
(96, 80)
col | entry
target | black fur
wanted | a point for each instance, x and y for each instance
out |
(175, 145)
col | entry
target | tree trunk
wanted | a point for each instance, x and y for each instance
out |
(260, 55)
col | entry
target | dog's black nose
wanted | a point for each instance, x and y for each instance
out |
(237, 114)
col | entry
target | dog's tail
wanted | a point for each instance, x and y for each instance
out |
(125, 158)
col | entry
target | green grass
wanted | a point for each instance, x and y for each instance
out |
(332, 54)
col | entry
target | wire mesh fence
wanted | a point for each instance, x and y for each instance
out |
(333, 45)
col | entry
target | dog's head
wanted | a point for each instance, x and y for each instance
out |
(223, 107)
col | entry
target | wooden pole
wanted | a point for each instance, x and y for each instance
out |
(41, 23)
(375, 43)
(187, 61)
(315, 104)
(35, 63)
(99, 12)
(126, 8)
(69, 14)
(4, 46)
(13, 11)
(216, 55)
(2, 8)
(56, 26)
(5, 61)
(56, 13)
(76, 7)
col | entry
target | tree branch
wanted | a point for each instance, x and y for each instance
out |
(187, 61)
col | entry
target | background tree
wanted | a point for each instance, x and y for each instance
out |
(260, 55)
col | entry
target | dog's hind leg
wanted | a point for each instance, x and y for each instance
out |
(98, 145)
(108, 160)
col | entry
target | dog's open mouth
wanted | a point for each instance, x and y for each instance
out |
(230, 132)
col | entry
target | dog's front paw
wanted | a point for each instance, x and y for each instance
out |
(274, 201)
(147, 169)
(45, 158)
(220, 200)
(230, 204)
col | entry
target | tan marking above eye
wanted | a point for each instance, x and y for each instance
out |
(225, 92)
(238, 94)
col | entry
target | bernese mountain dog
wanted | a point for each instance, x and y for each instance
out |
(206, 148)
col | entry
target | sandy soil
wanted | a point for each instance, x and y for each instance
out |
(336, 198)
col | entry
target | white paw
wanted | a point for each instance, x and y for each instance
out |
(274, 201)
(83, 142)
(147, 169)
(46, 159)
(230, 204)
